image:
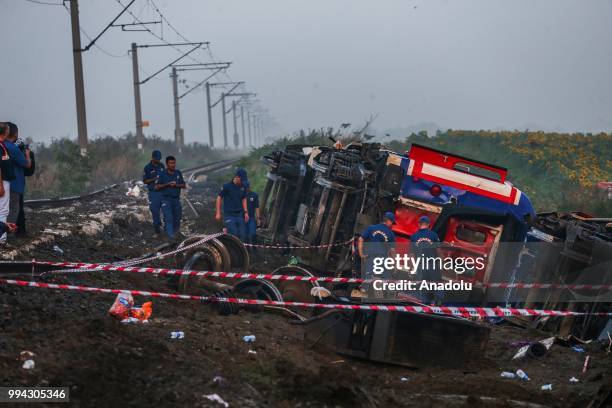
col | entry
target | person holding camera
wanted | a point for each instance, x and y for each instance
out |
(20, 157)
(6, 176)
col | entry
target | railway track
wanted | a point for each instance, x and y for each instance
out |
(62, 201)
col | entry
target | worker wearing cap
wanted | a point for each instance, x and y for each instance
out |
(235, 212)
(151, 172)
(424, 242)
(254, 213)
(378, 237)
(170, 182)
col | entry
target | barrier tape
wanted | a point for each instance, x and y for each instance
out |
(128, 263)
(85, 267)
(333, 244)
(440, 310)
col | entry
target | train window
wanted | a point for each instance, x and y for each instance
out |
(470, 235)
(478, 171)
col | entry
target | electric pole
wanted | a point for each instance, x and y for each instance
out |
(211, 139)
(249, 127)
(178, 137)
(137, 102)
(242, 120)
(79, 86)
(178, 132)
(214, 66)
(224, 120)
(236, 136)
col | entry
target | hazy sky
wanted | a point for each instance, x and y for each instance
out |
(475, 64)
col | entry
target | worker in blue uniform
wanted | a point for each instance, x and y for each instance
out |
(424, 243)
(170, 182)
(254, 213)
(376, 241)
(235, 214)
(378, 238)
(151, 171)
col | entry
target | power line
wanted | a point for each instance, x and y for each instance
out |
(44, 3)
(90, 39)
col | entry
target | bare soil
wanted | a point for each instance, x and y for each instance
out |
(107, 363)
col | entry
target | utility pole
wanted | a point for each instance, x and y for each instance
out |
(244, 144)
(224, 120)
(236, 136)
(178, 132)
(216, 67)
(211, 139)
(137, 82)
(249, 127)
(79, 86)
(137, 102)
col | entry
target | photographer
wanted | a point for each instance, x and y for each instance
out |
(6, 176)
(21, 160)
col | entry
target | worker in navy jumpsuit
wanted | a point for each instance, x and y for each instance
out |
(170, 182)
(235, 215)
(151, 171)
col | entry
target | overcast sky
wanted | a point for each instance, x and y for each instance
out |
(477, 64)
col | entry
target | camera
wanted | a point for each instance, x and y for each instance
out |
(22, 145)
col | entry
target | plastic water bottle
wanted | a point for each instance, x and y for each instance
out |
(522, 375)
(249, 338)
(177, 335)
(507, 374)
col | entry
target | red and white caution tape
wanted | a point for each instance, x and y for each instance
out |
(333, 244)
(520, 285)
(84, 267)
(135, 261)
(443, 310)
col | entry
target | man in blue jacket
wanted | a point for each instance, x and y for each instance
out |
(21, 162)
(170, 182)
(151, 172)
(235, 214)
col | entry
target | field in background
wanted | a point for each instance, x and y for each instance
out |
(60, 169)
(557, 171)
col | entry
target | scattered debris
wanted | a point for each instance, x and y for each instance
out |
(507, 374)
(586, 364)
(404, 379)
(121, 306)
(28, 364)
(124, 310)
(133, 192)
(537, 349)
(547, 387)
(177, 335)
(58, 250)
(574, 380)
(131, 320)
(216, 398)
(218, 380)
(252, 353)
(578, 349)
(26, 355)
(522, 375)
(320, 292)
(249, 339)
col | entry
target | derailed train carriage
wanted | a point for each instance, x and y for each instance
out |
(320, 195)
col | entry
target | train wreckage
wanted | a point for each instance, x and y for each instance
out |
(318, 195)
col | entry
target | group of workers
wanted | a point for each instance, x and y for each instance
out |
(378, 240)
(16, 163)
(240, 205)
